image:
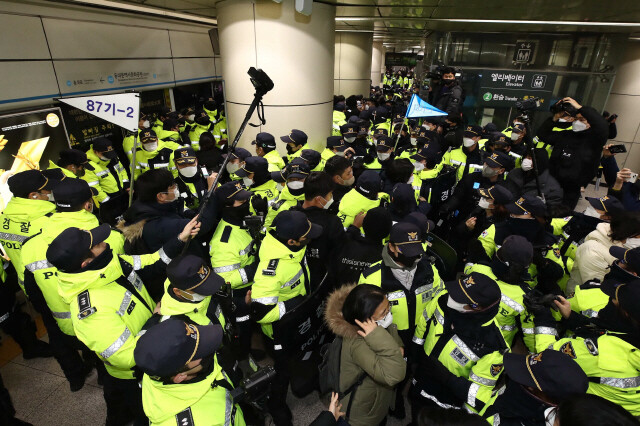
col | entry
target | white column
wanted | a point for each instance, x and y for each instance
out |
(296, 51)
(352, 70)
(377, 63)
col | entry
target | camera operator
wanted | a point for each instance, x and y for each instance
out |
(575, 156)
(611, 119)
(448, 97)
(618, 181)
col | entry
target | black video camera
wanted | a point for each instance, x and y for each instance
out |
(524, 105)
(536, 301)
(260, 80)
(562, 106)
(254, 387)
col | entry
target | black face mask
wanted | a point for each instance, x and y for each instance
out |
(302, 245)
(512, 273)
(203, 121)
(236, 214)
(619, 274)
(208, 365)
(290, 150)
(611, 318)
(518, 405)
(408, 262)
(448, 82)
(100, 261)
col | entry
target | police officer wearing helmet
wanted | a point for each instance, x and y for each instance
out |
(233, 254)
(109, 306)
(24, 216)
(183, 382)
(192, 185)
(107, 175)
(280, 284)
(266, 147)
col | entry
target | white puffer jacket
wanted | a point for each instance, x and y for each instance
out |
(592, 257)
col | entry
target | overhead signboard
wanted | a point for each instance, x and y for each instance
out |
(400, 59)
(28, 141)
(524, 53)
(502, 88)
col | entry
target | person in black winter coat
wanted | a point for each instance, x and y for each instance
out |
(361, 251)
(522, 181)
(576, 155)
(449, 96)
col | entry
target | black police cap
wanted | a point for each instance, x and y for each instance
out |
(516, 249)
(73, 156)
(293, 225)
(148, 135)
(629, 256)
(190, 273)
(408, 238)
(264, 140)
(296, 136)
(253, 164)
(498, 193)
(70, 193)
(23, 183)
(166, 348)
(240, 153)
(369, 184)
(606, 203)
(186, 155)
(528, 204)
(476, 289)
(232, 191)
(69, 249)
(335, 142)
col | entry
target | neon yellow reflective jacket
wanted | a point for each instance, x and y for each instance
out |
(457, 158)
(339, 119)
(353, 203)
(276, 163)
(106, 181)
(285, 201)
(194, 135)
(231, 251)
(127, 144)
(21, 219)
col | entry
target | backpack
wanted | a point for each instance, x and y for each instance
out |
(329, 372)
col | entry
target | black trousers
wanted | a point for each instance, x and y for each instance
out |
(124, 402)
(277, 403)
(13, 321)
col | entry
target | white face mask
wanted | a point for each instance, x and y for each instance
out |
(515, 136)
(578, 126)
(383, 156)
(104, 158)
(350, 139)
(591, 212)
(146, 124)
(468, 142)
(50, 197)
(327, 204)
(484, 203)
(386, 321)
(562, 120)
(632, 243)
(414, 141)
(191, 117)
(428, 127)
(456, 306)
(176, 194)
(232, 167)
(418, 166)
(349, 181)
(515, 123)
(195, 297)
(296, 184)
(150, 147)
(366, 106)
(247, 182)
(527, 164)
(188, 171)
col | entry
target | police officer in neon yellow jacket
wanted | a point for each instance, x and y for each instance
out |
(458, 328)
(183, 383)
(74, 207)
(363, 197)
(233, 255)
(266, 148)
(23, 217)
(107, 175)
(109, 305)
(127, 142)
(296, 141)
(192, 185)
(256, 178)
(72, 162)
(606, 347)
(154, 154)
(339, 118)
(280, 284)
(294, 174)
(469, 158)
(203, 124)
(508, 268)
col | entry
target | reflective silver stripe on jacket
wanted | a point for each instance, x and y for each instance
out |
(475, 166)
(546, 330)
(266, 300)
(228, 408)
(37, 265)
(395, 295)
(12, 237)
(464, 348)
(243, 319)
(140, 164)
(243, 275)
(282, 309)
(293, 280)
(481, 380)
(423, 288)
(621, 382)
(434, 399)
(135, 280)
(496, 420)
(107, 198)
(4, 317)
(115, 346)
(228, 268)
(417, 340)
(471, 396)
(439, 317)
(528, 331)
(93, 183)
(137, 262)
(511, 303)
(163, 256)
(125, 302)
(590, 313)
(507, 327)
(246, 250)
(102, 173)
(156, 165)
(61, 315)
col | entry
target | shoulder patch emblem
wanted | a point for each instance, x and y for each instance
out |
(270, 270)
(484, 233)
(496, 369)
(591, 347)
(567, 349)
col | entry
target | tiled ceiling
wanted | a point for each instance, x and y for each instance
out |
(406, 23)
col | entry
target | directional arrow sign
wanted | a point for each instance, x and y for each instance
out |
(122, 109)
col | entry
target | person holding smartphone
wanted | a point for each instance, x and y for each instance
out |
(622, 183)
